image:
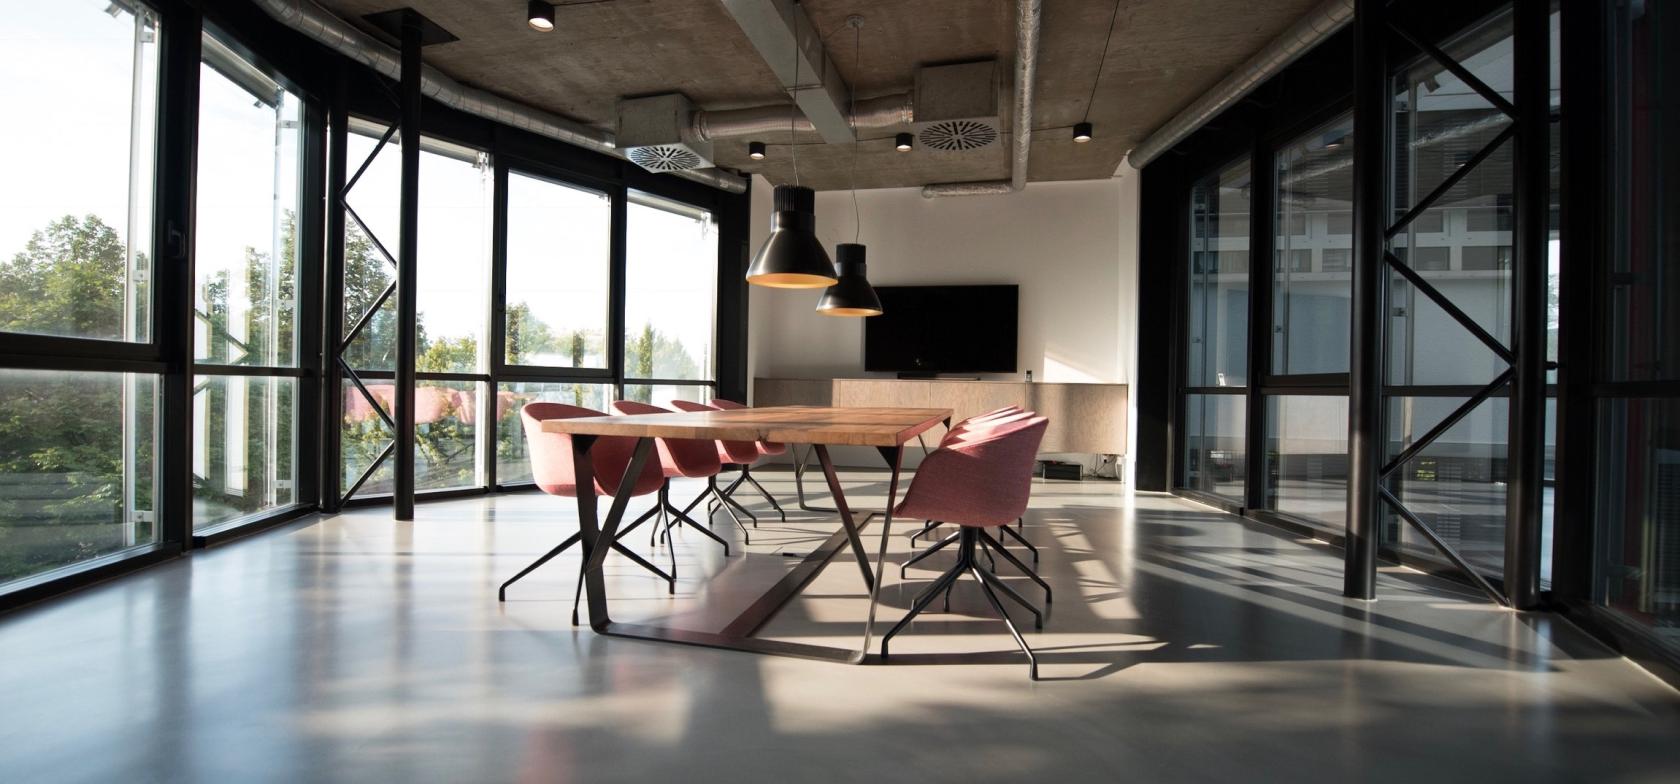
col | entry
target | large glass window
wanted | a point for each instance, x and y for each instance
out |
(559, 264)
(1312, 283)
(245, 298)
(453, 303)
(80, 80)
(1215, 451)
(1218, 318)
(1215, 447)
(77, 468)
(671, 295)
(1638, 515)
(1306, 450)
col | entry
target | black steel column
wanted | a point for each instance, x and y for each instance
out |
(408, 250)
(1365, 367)
(331, 458)
(1525, 458)
(172, 304)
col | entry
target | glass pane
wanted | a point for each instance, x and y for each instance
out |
(1462, 244)
(670, 301)
(662, 394)
(512, 459)
(559, 256)
(244, 437)
(445, 435)
(75, 245)
(1639, 513)
(1306, 447)
(77, 472)
(1643, 279)
(454, 261)
(1456, 485)
(1218, 319)
(1215, 458)
(246, 229)
(1312, 285)
(363, 434)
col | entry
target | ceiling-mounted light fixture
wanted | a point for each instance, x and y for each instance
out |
(755, 150)
(1082, 132)
(905, 142)
(851, 295)
(792, 257)
(540, 16)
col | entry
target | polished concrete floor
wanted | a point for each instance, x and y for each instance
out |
(1183, 645)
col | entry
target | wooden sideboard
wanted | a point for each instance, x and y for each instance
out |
(1084, 418)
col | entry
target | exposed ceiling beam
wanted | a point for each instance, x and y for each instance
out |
(780, 31)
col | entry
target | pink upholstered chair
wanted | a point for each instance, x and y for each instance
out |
(685, 457)
(741, 454)
(957, 433)
(981, 482)
(768, 448)
(553, 472)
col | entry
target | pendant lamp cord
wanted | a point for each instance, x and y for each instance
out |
(793, 98)
(1101, 61)
(857, 61)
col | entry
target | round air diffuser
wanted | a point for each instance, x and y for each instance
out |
(665, 158)
(958, 135)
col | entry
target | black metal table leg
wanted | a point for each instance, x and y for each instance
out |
(846, 516)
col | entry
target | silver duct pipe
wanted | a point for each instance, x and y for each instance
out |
(340, 36)
(887, 111)
(1028, 14)
(1307, 32)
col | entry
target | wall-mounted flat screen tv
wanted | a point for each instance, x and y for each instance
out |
(927, 330)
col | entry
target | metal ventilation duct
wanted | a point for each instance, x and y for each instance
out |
(1307, 32)
(340, 36)
(1027, 16)
(887, 111)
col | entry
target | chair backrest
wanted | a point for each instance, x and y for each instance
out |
(551, 454)
(687, 456)
(969, 427)
(734, 452)
(983, 479)
(764, 447)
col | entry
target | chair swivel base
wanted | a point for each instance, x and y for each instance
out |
(990, 585)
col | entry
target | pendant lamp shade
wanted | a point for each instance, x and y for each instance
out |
(852, 295)
(792, 256)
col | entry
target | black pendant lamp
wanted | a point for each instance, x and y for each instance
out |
(792, 256)
(852, 295)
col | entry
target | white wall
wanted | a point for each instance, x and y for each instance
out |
(1071, 247)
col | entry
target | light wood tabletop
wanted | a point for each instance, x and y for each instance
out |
(882, 427)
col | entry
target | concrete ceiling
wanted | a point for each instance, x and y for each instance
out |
(1163, 54)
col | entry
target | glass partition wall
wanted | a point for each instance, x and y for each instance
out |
(175, 367)
(1264, 378)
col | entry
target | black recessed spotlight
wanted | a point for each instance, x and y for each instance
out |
(1082, 132)
(755, 150)
(540, 16)
(905, 142)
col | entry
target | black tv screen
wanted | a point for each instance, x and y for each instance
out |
(925, 330)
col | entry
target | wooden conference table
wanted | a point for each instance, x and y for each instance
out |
(886, 429)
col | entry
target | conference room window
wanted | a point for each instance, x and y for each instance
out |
(245, 297)
(452, 304)
(559, 264)
(1216, 370)
(1310, 320)
(1638, 487)
(1456, 485)
(670, 301)
(78, 467)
